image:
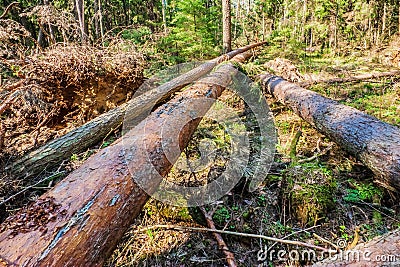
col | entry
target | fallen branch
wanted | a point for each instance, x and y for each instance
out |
(86, 214)
(357, 78)
(316, 155)
(375, 143)
(268, 238)
(94, 131)
(230, 258)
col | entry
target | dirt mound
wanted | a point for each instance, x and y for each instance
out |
(62, 88)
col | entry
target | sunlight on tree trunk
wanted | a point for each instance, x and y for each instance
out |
(226, 25)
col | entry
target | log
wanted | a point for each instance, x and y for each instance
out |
(80, 221)
(357, 78)
(89, 134)
(381, 251)
(375, 143)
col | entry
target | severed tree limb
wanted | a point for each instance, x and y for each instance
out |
(92, 132)
(375, 143)
(230, 258)
(357, 78)
(81, 220)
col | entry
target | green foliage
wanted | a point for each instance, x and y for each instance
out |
(363, 192)
(221, 215)
(310, 187)
(194, 31)
(138, 36)
(74, 157)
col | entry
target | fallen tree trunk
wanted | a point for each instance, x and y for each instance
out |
(375, 143)
(81, 220)
(91, 133)
(357, 78)
(381, 251)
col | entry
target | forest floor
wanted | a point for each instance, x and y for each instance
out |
(329, 199)
(323, 200)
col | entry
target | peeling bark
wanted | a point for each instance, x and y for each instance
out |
(97, 202)
(94, 131)
(375, 143)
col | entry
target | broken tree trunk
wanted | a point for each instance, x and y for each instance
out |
(80, 221)
(375, 143)
(381, 251)
(89, 134)
(357, 78)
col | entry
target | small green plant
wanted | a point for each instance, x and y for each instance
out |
(221, 215)
(74, 157)
(363, 192)
(343, 233)
(261, 201)
(310, 187)
(149, 233)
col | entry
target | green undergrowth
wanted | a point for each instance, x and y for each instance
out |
(309, 190)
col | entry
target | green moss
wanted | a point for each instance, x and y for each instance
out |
(310, 188)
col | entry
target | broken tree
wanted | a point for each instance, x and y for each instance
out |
(357, 78)
(94, 131)
(80, 220)
(375, 143)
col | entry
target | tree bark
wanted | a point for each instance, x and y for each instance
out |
(164, 16)
(226, 26)
(80, 9)
(375, 143)
(80, 221)
(381, 251)
(91, 133)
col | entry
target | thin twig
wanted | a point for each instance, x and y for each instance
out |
(316, 155)
(230, 258)
(198, 229)
(10, 99)
(320, 238)
(56, 175)
(294, 233)
(8, 9)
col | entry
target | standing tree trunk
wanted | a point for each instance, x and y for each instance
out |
(80, 11)
(164, 16)
(375, 143)
(80, 221)
(226, 26)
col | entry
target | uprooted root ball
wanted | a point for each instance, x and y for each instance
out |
(64, 87)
